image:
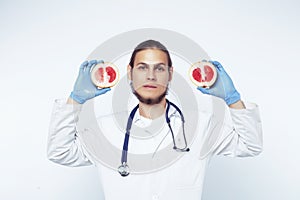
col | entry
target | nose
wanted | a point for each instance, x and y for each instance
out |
(151, 75)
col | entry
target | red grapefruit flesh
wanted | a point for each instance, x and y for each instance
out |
(197, 74)
(203, 74)
(99, 75)
(209, 72)
(104, 75)
(111, 73)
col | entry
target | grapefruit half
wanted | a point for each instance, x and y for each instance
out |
(203, 74)
(105, 75)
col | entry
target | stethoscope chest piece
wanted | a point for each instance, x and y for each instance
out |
(124, 169)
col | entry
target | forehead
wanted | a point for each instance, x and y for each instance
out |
(151, 56)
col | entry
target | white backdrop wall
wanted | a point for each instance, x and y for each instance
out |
(42, 44)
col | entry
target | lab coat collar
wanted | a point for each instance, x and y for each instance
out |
(144, 122)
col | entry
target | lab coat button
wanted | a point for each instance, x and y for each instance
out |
(155, 197)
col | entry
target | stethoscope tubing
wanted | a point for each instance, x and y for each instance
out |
(123, 168)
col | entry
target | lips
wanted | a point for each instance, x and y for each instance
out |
(149, 86)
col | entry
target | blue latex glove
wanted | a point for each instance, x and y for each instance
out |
(223, 87)
(84, 89)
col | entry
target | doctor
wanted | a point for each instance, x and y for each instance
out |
(150, 70)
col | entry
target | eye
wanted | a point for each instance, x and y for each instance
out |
(160, 68)
(141, 67)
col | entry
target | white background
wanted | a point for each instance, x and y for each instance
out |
(43, 43)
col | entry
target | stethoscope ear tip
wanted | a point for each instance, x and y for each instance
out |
(181, 150)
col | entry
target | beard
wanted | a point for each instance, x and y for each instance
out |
(149, 101)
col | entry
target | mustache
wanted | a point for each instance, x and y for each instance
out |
(149, 101)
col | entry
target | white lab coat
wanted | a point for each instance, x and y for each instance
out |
(241, 135)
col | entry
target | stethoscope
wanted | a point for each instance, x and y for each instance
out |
(123, 168)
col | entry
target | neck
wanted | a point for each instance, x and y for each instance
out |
(152, 111)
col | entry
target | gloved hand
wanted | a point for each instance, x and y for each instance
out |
(84, 89)
(223, 87)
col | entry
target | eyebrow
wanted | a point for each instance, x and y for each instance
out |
(161, 63)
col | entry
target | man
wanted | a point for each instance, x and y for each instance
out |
(150, 70)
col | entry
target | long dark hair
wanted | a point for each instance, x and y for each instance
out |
(150, 44)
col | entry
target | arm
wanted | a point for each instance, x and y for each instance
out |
(241, 133)
(71, 101)
(237, 105)
(63, 144)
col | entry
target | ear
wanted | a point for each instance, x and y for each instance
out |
(170, 73)
(129, 68)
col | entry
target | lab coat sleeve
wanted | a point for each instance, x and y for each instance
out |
(63, 145)
(241, 133)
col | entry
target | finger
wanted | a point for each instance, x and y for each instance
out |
(100, 61)
(217, 65)
(91, 63)
(101, 91)
(204, 90)
(83, 66)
